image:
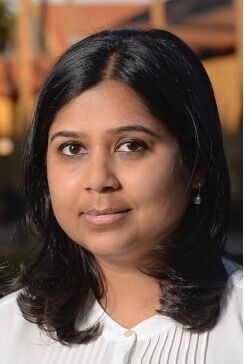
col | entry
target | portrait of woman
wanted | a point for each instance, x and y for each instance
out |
(127, 195)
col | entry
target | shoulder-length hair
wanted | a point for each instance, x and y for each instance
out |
(61, 283)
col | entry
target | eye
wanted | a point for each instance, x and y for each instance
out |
(72, 149)
(131, 145)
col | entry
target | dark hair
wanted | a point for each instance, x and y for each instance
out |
(61, 283)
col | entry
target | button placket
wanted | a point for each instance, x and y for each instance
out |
(129, 333)
(128, 355)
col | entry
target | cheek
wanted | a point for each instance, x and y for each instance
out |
(62, 187)
(161, 199)
(158, 182)
(165, 201)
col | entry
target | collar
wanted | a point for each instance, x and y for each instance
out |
(154, 325)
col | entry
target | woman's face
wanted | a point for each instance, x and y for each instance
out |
(115, 174)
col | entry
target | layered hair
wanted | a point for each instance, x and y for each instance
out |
(58, 287)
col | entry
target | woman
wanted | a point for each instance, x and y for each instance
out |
(127, 192)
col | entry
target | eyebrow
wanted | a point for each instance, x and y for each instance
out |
(120, 129)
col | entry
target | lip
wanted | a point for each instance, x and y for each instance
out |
(105, 216)
(108, 211)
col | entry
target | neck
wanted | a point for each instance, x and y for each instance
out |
(130, 295)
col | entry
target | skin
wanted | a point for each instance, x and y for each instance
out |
(93, 165)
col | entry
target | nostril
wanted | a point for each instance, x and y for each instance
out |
(103, 189)
(108, 189)
(101, 183)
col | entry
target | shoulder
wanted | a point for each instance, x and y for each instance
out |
(10, 299)
(11, 320)
(10, 315)
(232, 300)
(235, 281)
(225, 339)
(9, 310)
(18, 337)
(231, 266)
(233, 295)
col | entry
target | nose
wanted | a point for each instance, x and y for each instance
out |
(100, 174)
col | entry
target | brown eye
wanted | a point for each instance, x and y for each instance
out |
(72, 149)
(131, 146)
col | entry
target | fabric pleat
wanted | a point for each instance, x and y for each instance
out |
(156, 340)
(177, 346)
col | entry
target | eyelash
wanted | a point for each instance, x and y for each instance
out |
(141, 144)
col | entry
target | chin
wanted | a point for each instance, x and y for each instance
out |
(107, 249)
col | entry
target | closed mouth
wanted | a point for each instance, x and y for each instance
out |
(104, 217)
(108, 211)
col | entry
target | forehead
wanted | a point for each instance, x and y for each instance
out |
(108, 105)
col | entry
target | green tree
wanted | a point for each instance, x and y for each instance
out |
(6, 25)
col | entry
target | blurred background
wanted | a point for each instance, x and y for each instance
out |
(33, 33)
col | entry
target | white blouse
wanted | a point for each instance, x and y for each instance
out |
(158, 339)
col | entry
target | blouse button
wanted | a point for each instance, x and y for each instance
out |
(128, 333)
